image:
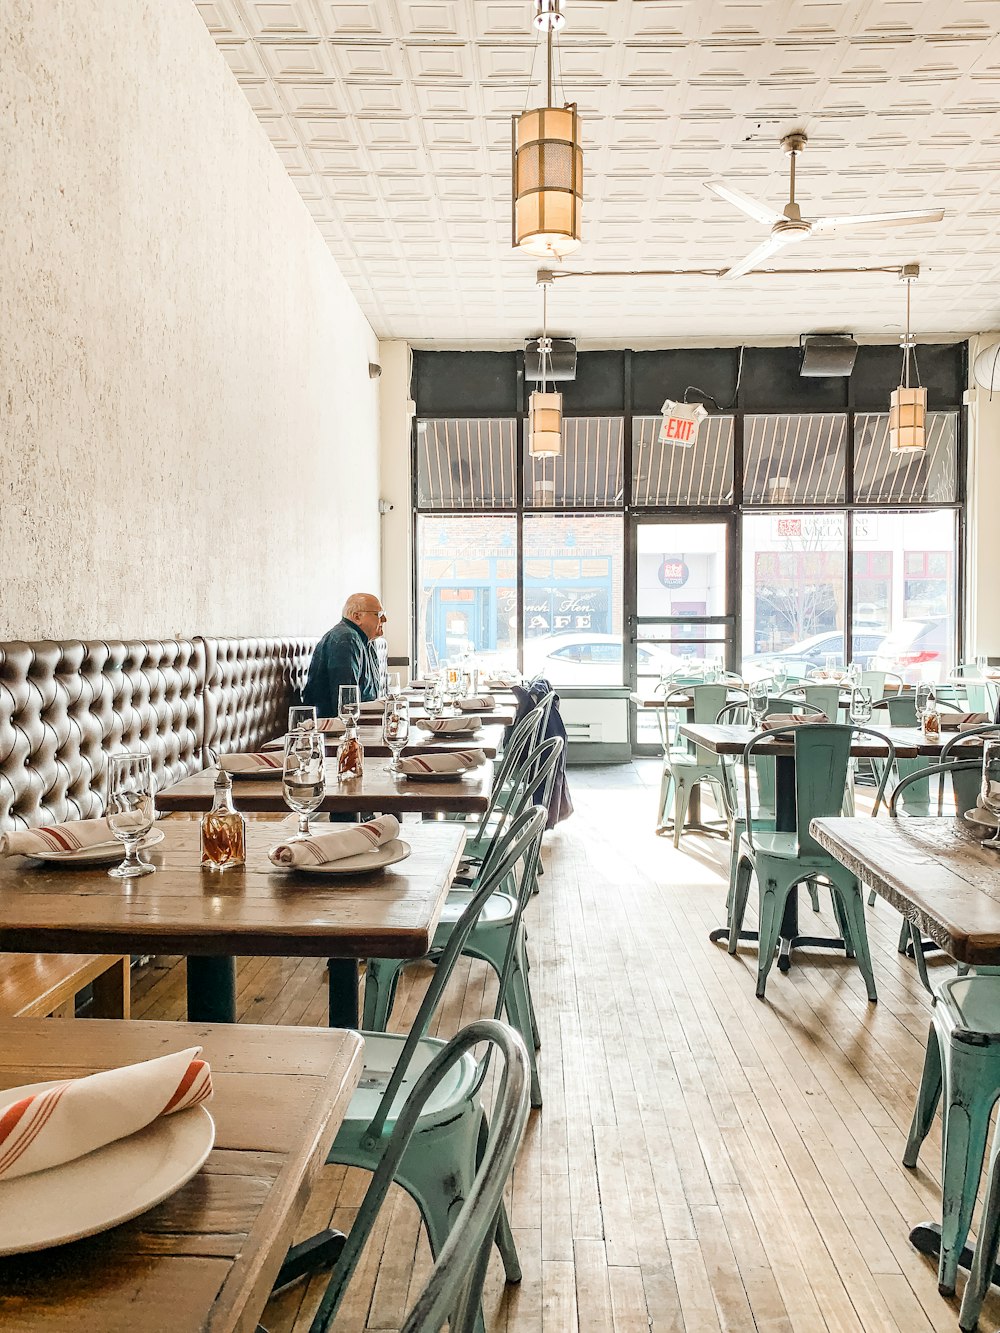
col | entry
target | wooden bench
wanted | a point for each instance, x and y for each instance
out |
(35, 985)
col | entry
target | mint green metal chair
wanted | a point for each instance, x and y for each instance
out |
(453, 1292)
(438, 1166)
(497, 934)
(684, 768)
(781, 861)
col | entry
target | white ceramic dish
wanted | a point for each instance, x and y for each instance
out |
(101, 854)
(362, 864)
(105, 1187)
(438, 777)
(257, 775)
(981, 819)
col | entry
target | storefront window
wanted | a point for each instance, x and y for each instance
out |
(467, 590)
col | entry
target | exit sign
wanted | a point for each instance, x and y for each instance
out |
(680, 423)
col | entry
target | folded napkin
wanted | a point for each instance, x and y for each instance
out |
(80, 1115)
(963, 721)
(71, 837)
(373, 706)
(777, 720)
(453, 761)
(330, 726)
(477, 703)
(240, 764)
(326, 847)
(443, 725)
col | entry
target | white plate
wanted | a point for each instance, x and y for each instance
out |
(257, 775)
(438, 777)
(377, 859)
(981, 818)
(101, 854)
(105, 1187)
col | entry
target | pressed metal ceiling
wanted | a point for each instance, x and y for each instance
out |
(393, 119)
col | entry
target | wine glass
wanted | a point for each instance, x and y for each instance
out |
(854, 674)
(349, 704)
(396, 729)
(922, 697)
(861, 705)
(982, 662)
(989, 793)
(831, 664)
(303, 776)
(131, 810)
(393, 687)
(780, 676)
(302, 717)
(434, 700)
(758, 701)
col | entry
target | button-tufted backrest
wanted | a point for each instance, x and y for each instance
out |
(251, 684)
(64, 706)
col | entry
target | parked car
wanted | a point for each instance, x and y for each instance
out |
(802, 657)
(917, 649)
(588, 659)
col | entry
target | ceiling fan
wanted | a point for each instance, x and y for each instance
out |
(789, 226)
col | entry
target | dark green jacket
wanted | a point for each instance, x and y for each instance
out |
(343, 656)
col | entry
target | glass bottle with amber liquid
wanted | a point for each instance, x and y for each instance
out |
(223, 829)
(350, 754)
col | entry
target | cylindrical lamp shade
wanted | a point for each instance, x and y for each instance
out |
(548, 182)
(986, 368)
(545, 440)
(907, 411)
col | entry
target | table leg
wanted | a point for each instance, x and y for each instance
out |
(211, 990)
(343, 993)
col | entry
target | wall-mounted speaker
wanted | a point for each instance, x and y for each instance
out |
(827, 354)
(562, 361)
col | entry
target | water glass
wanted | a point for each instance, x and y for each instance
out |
(831, 663)
(302, 717)
(982, 662)
(396, 729)
(780, 676)
(393, 686)
(131, 809)
(922, 698)
(434, 700)
(349, 704)
(989, 792)
(861, 705)
(758, 701)
(854, 674)
(303, 776)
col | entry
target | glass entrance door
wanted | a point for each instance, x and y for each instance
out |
(683, 614)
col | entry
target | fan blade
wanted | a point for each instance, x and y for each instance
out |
(915, 218)
(752, 207)
(777, 241)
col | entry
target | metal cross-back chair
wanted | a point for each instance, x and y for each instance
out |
(438, 1166)
(981, 695)
(684, 769)
(962, 1068)
(499, 932)
(824, 698)
(520, 739)
(783, 860)
(453, 1292)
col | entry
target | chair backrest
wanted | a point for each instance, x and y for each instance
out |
(453, 1292)
(873, 681)
(516, 847)
(822, 755)
(521, 738)
(965, 775)
(706, 702)
(902, 709)
(952, 748)
(824, 698)
(514, 785)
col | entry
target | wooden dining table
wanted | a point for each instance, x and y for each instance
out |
(212, 917)
(940, 876)
(501, 714)
(376, 790)
(206, 1258)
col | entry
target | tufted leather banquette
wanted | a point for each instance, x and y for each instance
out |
(250, 685)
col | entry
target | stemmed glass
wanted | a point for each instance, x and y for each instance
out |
(349, 705)
(981, 664)
(302, 717)
(131, 810)
(434, 700)
(758, 701)
(989, 794)
(396, 729)
(303, 776)
(780, 676)
(393, 687)
(861, 705)
(922, 698)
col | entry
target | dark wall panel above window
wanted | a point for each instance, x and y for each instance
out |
(465, 384)
(877, 369)
(599, 387)
(669, 373)
(771, 383)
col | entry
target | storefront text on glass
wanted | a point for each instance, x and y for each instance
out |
(547, 610)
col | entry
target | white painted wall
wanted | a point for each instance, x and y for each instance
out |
(982, 528)
(189, 435)
(397, 545)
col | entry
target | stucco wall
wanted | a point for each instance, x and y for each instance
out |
(188, 430)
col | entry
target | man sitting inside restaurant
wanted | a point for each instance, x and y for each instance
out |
(345, 655)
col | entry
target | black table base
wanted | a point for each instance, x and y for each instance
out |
(319, 1251)
(927, 1239)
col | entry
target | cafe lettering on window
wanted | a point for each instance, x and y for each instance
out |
(549, 610)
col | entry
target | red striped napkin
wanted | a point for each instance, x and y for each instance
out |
(325, 847)
(444, 725)
(777, 720)
(49, 1126)
(453, 761)
(239, 764)
(71, 837)
(477, 703)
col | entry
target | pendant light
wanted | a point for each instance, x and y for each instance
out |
(907, 403)
(545, 409)
(547, 164)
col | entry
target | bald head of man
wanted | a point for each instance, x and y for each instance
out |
(365, 610)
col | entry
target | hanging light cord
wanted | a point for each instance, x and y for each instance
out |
(544, 348)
